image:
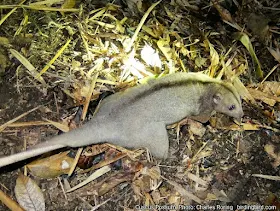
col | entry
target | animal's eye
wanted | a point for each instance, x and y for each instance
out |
(231, 107)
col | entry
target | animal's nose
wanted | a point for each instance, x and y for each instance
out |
(241, 113)
(239, 116)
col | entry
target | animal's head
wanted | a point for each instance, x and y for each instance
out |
(227, 101)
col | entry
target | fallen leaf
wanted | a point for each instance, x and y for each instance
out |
(214, 58)
(196, 128)
(63, 127)
(109, 183)
(52, 166)
(149, 179)
(224, 123)
(197, 179)
(157, 197)
(184, 192)
(264, 97)
(242, 90)
(28, 194)
(275, 53)
(271, 87)
(250, 126)
(164, 46)
(92, 177)
(272, 152)
(219, 195)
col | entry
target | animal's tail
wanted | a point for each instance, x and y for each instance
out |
(88, 134)
(4, 161)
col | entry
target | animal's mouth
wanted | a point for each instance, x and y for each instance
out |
(239, 116)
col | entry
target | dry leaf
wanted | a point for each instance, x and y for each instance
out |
(95, 149)
(224, 123)
(174, 198)
(131, 166)
(220, 195)
(197, 128)
(197, 179)
(224, 13)
(271, 151)
(184, 192)
(92, 177)
(153, 172)
(271, 87)
(52, 166)
(157, 197)
(143, 184)
(275, 53)
(81, 91)
(110, 182)
(242, 90)
(164, 46)
(61, 126)
(250, 126)
(28, 194)
(264, 97)
(214, 58)
(149, 180)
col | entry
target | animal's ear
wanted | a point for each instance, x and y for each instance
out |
(217, 98)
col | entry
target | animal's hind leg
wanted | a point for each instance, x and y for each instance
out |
(154, 136)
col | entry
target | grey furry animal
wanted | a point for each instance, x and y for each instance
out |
(138, 116)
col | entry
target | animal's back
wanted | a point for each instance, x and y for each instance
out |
(167, 100)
